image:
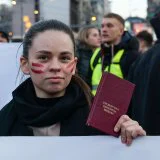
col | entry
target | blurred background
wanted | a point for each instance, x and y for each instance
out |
(17, 16)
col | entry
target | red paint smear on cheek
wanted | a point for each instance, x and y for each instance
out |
(37, 71)
(35, 66)
(72, 69)
(69, 68)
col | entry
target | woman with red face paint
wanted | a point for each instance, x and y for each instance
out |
(53, 101)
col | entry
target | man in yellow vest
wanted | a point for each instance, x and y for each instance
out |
(117, 53)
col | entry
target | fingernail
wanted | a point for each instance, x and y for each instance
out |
(116, 129)
(129, 143)
(123, 140)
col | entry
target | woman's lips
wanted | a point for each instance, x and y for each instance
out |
(55, 79)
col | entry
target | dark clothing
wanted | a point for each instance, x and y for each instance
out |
(129, 44)
(155, 22)
(4, 35)
(25, 110)
(145, 105)
(84, 55)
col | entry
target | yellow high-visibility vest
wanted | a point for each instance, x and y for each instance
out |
(114, 68)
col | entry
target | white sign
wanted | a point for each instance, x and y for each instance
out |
(78, 148)
(9, 67)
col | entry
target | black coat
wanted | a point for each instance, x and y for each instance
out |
(84, 55)
(25, 110)
(145, 105)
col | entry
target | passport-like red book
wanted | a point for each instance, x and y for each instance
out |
(110, 102)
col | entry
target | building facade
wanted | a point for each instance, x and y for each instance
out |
(87, 12)
(22, 17)
(17, 16)
(5, 17)
(54, 9)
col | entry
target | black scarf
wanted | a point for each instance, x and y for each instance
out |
(25, 110)
(33, 114)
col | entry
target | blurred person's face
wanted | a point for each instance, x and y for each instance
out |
(142, 46)
(93, 39)
(50, 63)
(2, 39)
(111, 31)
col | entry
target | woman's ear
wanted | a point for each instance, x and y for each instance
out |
(75, 64)
(24, 65)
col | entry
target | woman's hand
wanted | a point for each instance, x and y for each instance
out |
(129, 129)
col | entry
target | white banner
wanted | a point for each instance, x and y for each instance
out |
(78, 148)
(9, 66)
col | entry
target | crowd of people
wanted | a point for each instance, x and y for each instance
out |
(65, 73)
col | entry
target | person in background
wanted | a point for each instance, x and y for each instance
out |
(145, 104)
(4, 37)
(118, 50)
(145, 41)
(88, 40)
(54, 101)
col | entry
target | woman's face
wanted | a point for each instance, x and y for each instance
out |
(94, 38)
(51, 63)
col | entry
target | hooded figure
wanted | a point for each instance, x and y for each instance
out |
(145, 73)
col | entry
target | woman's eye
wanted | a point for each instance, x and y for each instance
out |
(66, 59)
(44, 58)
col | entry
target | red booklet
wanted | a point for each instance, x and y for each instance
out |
(110, 102)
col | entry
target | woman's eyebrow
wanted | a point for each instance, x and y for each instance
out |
(66, 52)
(44, 52)
(49, 52)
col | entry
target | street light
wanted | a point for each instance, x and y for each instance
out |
(93, 18)
(36, 11)
(27, 22)
(14, 2)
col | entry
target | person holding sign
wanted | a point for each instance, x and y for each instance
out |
(54, 101)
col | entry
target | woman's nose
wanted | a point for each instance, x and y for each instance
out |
(55, 65)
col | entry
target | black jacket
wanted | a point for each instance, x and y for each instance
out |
(84, 55)
(145, 105)
(25, 110)
(145, 73)
(129, 44)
